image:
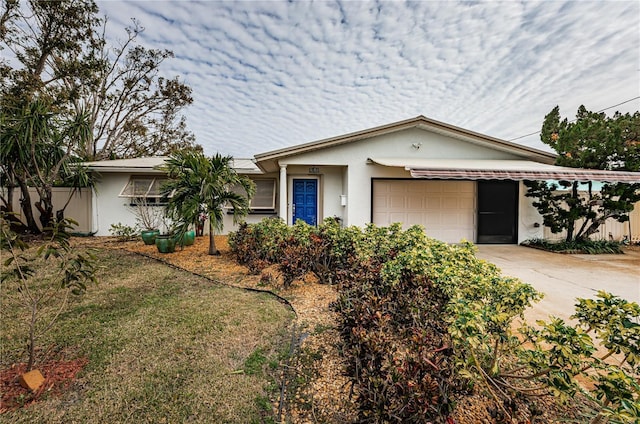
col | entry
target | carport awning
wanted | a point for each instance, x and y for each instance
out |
(471, 169)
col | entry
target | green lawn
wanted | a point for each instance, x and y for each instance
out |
(164, 346)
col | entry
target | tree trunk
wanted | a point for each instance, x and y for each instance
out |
(45, 207)
(212, 241)
(594, 227)
(32, 334)
(570, 229)
(8, 202)
(581, 234)
(25, 205)
(572, 223)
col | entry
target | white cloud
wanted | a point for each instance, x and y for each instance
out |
(269, 74)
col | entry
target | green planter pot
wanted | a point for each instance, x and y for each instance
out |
(149, 236)
(189, 238)
(166, 243)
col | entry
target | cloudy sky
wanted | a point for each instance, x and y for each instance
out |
(271, 74)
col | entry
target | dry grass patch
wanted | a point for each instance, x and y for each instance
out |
(163, 346)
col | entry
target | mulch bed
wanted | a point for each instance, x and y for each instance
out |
(58, 374)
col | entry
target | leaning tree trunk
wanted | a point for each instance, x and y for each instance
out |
(25, 205)
(594, 227)
(45, 207)
(570, 230)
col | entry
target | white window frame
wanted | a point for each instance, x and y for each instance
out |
(272, 206)
(154, 196)
(252, 207)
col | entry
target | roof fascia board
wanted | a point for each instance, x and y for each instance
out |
(154, 171)
(482, 139)
(129, 170)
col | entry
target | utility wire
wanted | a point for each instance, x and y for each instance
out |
(573, 120)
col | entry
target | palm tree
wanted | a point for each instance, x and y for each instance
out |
(198, 183)
(38, 147)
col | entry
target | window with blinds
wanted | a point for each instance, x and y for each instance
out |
(265, 195)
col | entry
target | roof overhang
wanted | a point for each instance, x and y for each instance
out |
(268, 161)
(518, 170)
(147, 165)
(151, 165)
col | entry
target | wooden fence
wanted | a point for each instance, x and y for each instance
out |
(611, 229)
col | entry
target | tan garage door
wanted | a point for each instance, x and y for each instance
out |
(446, 209)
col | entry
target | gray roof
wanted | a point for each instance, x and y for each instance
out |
(149, 165)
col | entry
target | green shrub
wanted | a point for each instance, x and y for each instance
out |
(124, 232)
(259, 245)
(422, 322)
(394, 338)
(297, 249)
(592, 247)
(322, 250)
(464, 307)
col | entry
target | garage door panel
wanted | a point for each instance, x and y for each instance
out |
(382, 187)
(433, 221)
(380, 217)
(382, 201)
(463, 186)
(397, 201)
(415, 203)
(467, 221)
(467, 203)
(397, 217)
(416, 218)
(433, 203)
(451, 219)
(445, 208)
(450, 203)
(413, 189)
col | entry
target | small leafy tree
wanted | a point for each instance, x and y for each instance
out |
(44, 277)
(593, 141)
(198, 183)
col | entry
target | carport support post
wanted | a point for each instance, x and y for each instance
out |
(283, 193)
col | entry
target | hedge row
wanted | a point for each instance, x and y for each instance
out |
(424, 322)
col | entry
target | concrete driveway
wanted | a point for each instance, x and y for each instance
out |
(563, 278)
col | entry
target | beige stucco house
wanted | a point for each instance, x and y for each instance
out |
(456, 183)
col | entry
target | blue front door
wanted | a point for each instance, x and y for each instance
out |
(305, 200)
